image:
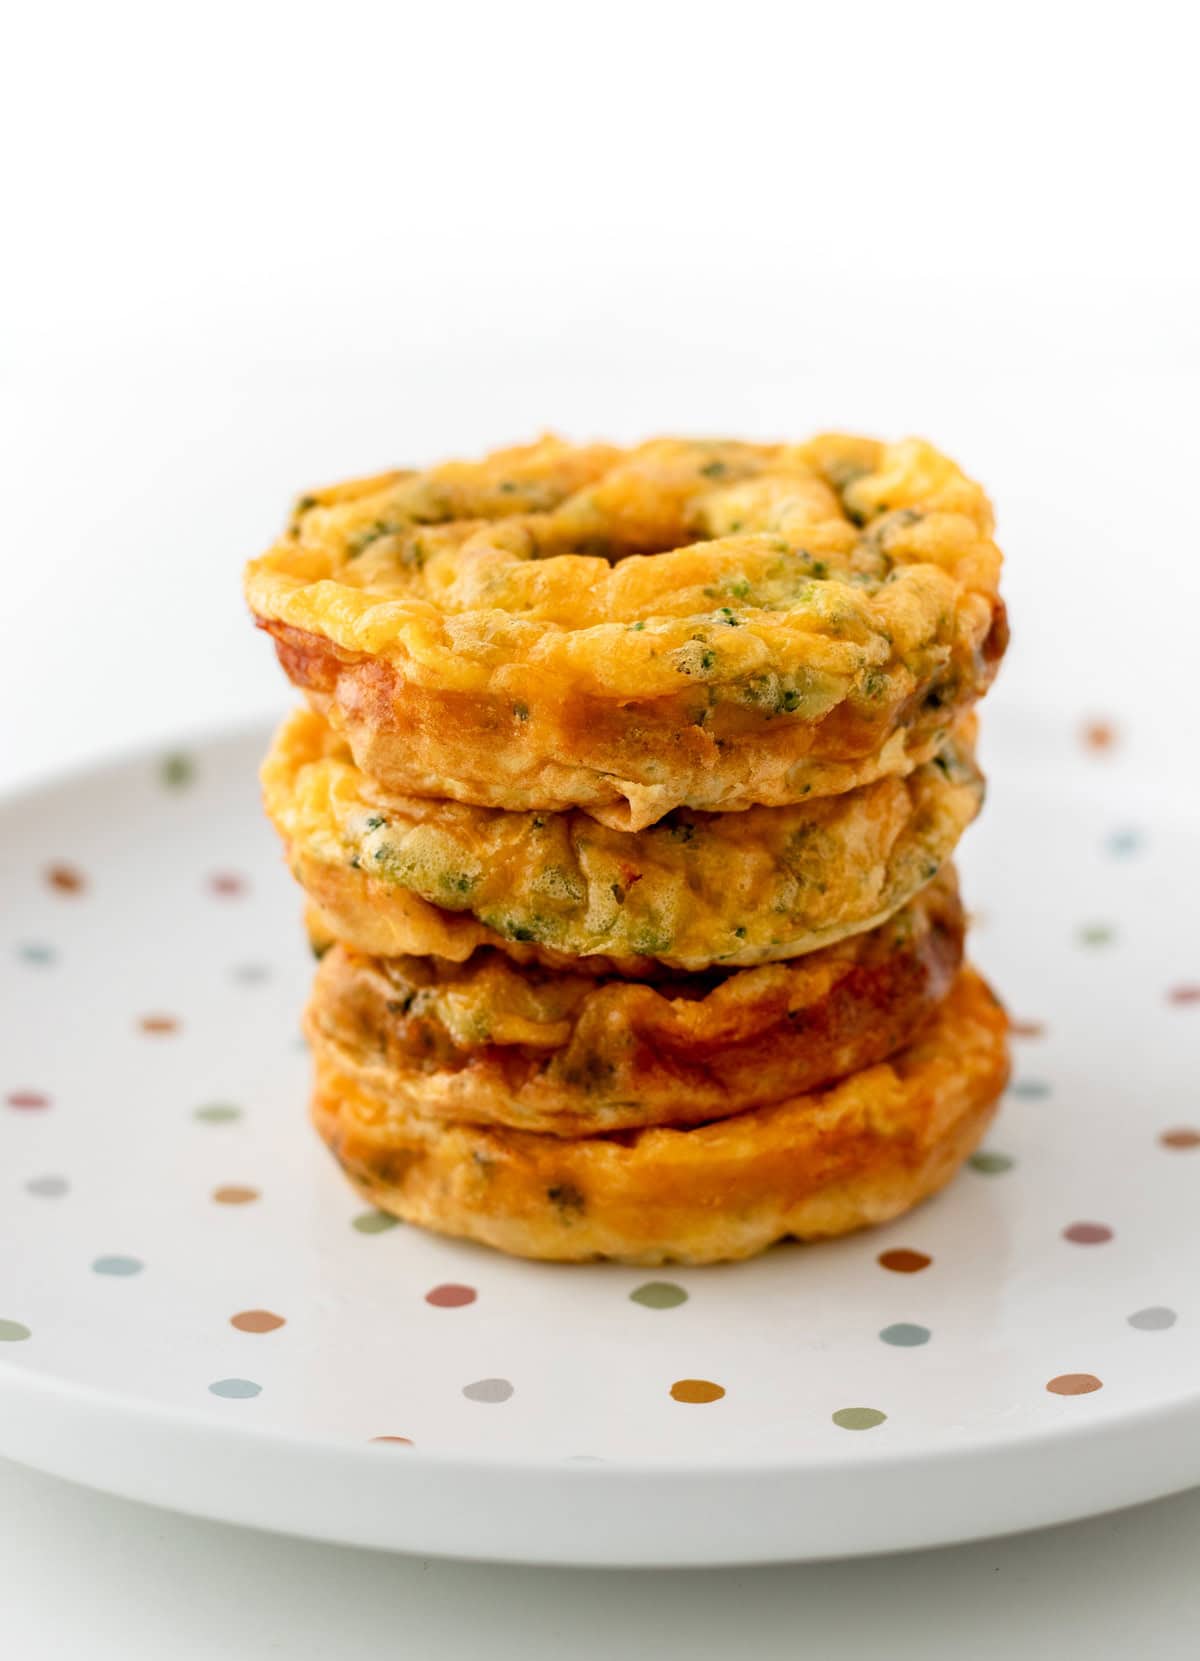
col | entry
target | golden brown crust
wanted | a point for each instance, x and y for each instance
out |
(488, 1042)
(820, 1164)
(399, 876)
(712, 625)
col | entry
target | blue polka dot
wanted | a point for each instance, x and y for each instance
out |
(236, 1389)
(1125, 842)
(118, 1265)
(1029, 1089)
(37, 954)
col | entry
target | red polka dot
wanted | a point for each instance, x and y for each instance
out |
(28, 1101)
(1184, 995)
(227, 884)
(1088, 1234)
(902, 1260)
(451, 1296)
(1027, 1029)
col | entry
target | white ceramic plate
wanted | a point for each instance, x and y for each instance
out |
(195, 1311)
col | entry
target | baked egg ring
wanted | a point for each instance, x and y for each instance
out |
(489, 1042)
(406, 876)
(713, 625)
(817, 1164)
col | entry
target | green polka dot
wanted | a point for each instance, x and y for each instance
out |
(177, 770)
(12, 1332)
(217, 1113)
(659, 1294)
(373, 1222)
(1097, 934)
(906, 1335)
(990, 1164)
(858, 1418)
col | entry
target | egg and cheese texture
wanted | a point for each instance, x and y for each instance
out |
(822, 1163)
(714, 625)
(491, 1042)
(395, 875)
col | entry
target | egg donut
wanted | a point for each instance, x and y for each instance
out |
(405, 876)
(703, 624)
(815, 1164)
(489, 1042)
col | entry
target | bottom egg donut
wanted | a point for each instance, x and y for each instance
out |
(818, 1164)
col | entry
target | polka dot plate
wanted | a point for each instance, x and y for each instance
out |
(196, 1311)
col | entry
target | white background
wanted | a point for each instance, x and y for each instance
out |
(251, 247)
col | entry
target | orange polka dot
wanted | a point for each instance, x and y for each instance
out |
(1074, 1384)
(1099, 736)
(696, 1390)
(1027, 1029)
(233, 1194)
(158, 1026)
(65, 879)
(257, 1320)
(396, 1441)
(1181, 1137)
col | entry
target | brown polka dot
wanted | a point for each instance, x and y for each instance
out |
(396, 1441)
(65, 879)
(696, 1390)
(1074, 1384)
(451, 1296)
(1184, 995)
(233, 1194)
(1088, 1234)
(1099, 736)
(1027, 1029)
(257, 1320)
(227, 884)
(1183, 1136)
(901, 1260)
(28, 1101)
(158, 1026)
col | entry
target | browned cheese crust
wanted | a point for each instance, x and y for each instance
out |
(817, 1164)
(714, 625)
(489, 1042)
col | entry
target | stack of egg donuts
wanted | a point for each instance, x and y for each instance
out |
(624, 802)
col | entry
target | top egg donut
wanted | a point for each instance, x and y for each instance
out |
(703, 624)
